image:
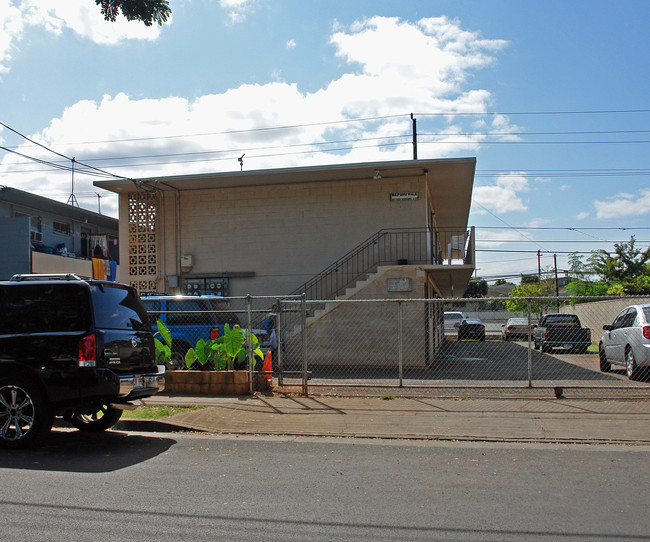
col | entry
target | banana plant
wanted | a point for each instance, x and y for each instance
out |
(224, 352)
(163, 351)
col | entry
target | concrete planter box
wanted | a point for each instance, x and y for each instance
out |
(212, 382)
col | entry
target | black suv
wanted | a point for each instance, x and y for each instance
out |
(73, 347)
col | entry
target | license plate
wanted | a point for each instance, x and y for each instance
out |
(138, 382)
(567, 347)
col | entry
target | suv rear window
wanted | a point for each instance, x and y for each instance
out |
(117, 307)
(43, 308)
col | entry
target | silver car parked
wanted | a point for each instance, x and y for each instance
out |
(627, 341)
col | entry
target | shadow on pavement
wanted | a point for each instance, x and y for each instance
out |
(478, 361)
(73, 451)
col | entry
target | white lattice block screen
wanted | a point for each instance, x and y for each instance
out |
(143, 246)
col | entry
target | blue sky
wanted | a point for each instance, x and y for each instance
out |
(196, 93)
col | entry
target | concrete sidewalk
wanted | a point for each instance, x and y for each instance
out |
(507, 420)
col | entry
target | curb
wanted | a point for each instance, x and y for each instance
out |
(154, 426)
(157, 426)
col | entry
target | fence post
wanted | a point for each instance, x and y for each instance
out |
(250, 344)
(303, 303)
(279, 339)
(530, 351)
(400, 343)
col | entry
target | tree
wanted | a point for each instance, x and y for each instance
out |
(147, 11)
(476, 288)
(626, 271)
(537, 306)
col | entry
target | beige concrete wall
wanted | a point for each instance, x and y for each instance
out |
(366, 333)
(284, 234)
(52, 263)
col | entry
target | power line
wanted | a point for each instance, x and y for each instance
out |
(512, 113)
(72, 160)
(564, 228)
(406, 116)
(581, 241)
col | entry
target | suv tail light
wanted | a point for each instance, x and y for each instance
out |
(646, 332)
(88, 351)
(214, 333)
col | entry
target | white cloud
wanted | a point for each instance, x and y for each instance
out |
(382, 78)
(582, 216)
(237, 9)
(503, 196)
(538, 222)
(81, 16)
(291, 44)
(624, 204)
(11, 30)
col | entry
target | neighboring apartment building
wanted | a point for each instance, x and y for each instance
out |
(40, 235)
(380, 230)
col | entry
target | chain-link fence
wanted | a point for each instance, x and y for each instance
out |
(462, 347)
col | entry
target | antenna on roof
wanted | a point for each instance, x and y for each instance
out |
(72, 200)
(241, 162)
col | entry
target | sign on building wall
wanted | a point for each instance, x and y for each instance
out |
(402, 196)
(400, 285)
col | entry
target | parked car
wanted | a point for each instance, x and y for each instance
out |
(80, 349)
(471, 328)
(627, 340)
(562, 331)
(517, 328)
(190, 318)
(452, 320)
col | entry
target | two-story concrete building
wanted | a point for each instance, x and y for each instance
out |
(377, 230)
(272, 232)
(40, 235)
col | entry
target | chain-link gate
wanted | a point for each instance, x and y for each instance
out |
(452, 346)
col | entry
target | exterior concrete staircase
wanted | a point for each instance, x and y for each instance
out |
(350, 293)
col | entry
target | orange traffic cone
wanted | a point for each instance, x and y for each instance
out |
(267, 366)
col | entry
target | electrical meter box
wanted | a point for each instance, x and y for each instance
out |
(218, 286)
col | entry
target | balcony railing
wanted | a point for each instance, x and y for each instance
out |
(391, 247)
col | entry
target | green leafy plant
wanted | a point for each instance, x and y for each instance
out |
(163, 350)
(226, 351)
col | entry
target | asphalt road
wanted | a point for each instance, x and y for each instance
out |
(141, 487)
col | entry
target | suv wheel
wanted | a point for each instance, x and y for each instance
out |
(25, 417)
(99, 420)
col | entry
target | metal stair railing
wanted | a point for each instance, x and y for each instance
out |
(386, 247)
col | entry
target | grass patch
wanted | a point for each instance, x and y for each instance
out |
(387, 398)
(157, 412)
(593, 348)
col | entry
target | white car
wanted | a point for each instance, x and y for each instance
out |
(627, 341)
(453, 320)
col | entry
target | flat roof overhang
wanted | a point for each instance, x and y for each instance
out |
(449, 280)
(450, 181)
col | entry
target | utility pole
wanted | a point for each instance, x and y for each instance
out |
(539, 266)
(415, 137)
(557, 287)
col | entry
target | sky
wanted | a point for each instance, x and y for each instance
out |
(551, 97)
